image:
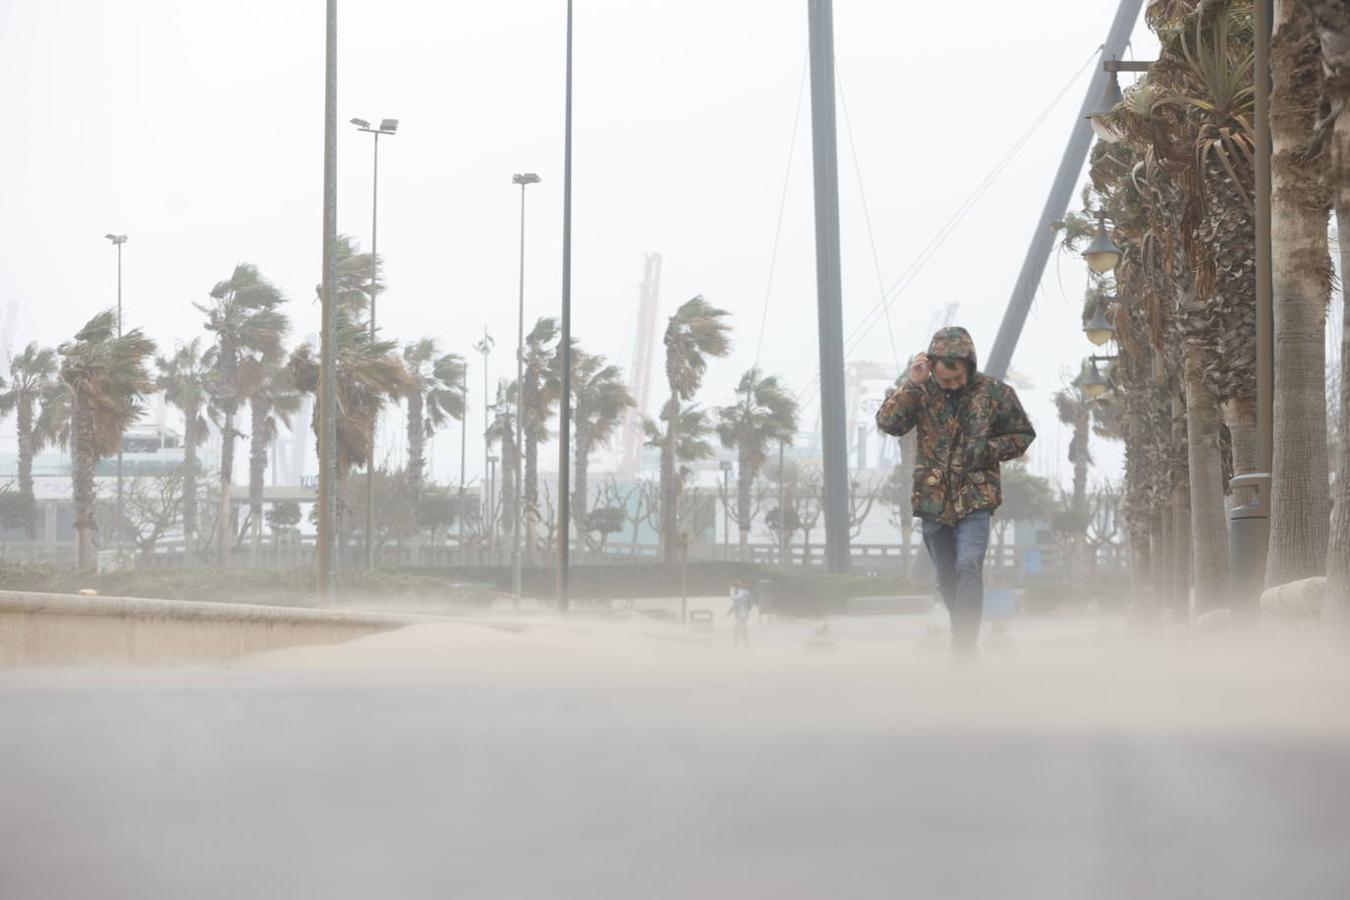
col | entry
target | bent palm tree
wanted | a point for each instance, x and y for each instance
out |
(600, 400)
(542, 387)
(272, 400)
(693, 430)
(763, 414)
(105, 379)
(369, 371)
(694, 334)
(249, 331)
(435, 396)
(32, 376)
(185, 380)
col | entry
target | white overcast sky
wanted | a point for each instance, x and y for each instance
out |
(196, 128)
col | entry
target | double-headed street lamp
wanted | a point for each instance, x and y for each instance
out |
(386, 127)
(118, 240)
(517, 512)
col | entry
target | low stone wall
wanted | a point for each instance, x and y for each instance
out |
(63, 629)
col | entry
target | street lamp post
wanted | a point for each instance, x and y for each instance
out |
(386, 126)
(518, 507)
(118, 240)
(326, 551)
(491, 500)
(725, 465)
(463, 448)
(484, 347)
(562, 579)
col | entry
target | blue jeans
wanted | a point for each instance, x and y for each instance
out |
(957, 552)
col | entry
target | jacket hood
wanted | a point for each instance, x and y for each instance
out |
(954, 343)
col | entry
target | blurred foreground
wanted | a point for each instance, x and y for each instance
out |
(624, 756)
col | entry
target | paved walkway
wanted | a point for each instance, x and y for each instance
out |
(595, 757)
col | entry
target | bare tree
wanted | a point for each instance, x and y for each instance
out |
(1103, 519)
(152, 508)
(807, 496)
(861, 496)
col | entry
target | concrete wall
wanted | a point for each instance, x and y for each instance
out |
(61, 629)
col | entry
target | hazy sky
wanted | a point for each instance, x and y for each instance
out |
(196, 128)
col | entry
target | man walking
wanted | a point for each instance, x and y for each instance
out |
(968, 423)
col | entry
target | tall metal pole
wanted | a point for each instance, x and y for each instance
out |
(374, 282)
(565, 345)
(834, 440)
(518, 506)
(121, 239)
(463, 455)
(1061, 192)
(324, 556)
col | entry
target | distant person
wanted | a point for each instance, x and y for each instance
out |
(740, 613)
(968, 424)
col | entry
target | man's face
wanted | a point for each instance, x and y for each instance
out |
(950, 374)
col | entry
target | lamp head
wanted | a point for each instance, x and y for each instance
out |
(1098, 329)
(527, 178)
(362, 124)
(1102, 255)
(1110, 100)
(116, 238)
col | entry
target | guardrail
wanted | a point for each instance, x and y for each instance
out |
(1033, 560)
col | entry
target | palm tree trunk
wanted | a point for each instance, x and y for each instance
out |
(224, 528)
(82, 487)
(744, 500)
(1239, 415)
(417, 437)
(1209, 529)
(25, 429)
(531, 495)
(190, 413)
(581, 469)
(1301, 278)
(1181, 514)
(257, 469)
(1163, 551)
(1337, 598)
(670, 491)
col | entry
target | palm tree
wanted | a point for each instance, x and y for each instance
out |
(185, 379)
(272, 399)
(542, 388)
(249, 332)
(1332, 20)
(694, 334)
(104, 378)
(600, 399)
(763, 414)
(693, 432)
(369, 371)
(436, 395)
(32, 376)
(502, 430)
(1301, 285)
(1075, 410)
(353, 278)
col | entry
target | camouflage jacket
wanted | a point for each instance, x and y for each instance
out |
(963, 435)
